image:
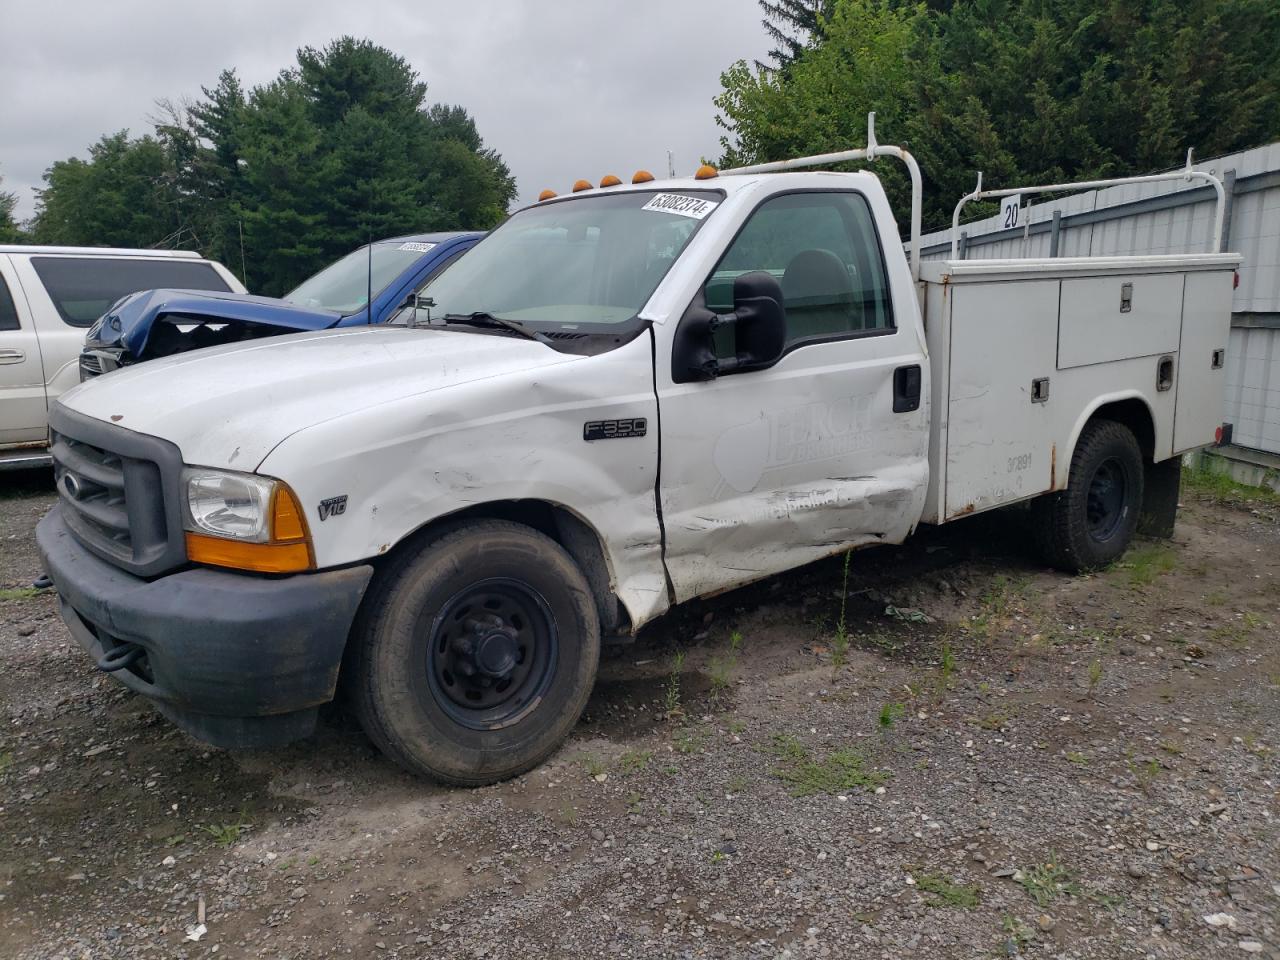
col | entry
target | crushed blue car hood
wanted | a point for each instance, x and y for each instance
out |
(129, 323)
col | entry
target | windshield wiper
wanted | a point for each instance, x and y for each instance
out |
(482, 319)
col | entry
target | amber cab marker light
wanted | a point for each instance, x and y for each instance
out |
(610, 180)
(288, 552)
(546, 195)
(580, 185)
(706, 172)
(642, 176)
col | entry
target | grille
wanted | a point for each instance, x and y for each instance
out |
(90, 365)
(114, 502)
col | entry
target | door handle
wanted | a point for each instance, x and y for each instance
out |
(12, 356)
(906, 389)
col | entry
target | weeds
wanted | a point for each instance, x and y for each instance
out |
(994, 721)
(1019, 933)
(673, 685)
(1045, 882)
(19, 593)
(946, 893)
(948, 665)
(225, 834)
(1147, 561)
(786, 747)
(594, 766)
(690, 741)
(1219, 486)
(890, 713)
(1095, 678)
(839, 772)
(840, 644)
(1078, 758)
(1145, 773)
(6, 761)
(634, 761)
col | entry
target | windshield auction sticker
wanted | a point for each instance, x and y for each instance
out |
(416, 245)
(682, 206)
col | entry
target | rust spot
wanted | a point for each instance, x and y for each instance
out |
(1053, 465)
(963, 510)
(117, 416)
(384, 548)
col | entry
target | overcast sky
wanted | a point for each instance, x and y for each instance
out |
(561, 88)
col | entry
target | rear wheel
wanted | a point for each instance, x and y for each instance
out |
(476, 654)
(1090, 524)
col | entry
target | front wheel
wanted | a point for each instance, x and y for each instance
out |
(476, 654)
(1089, 524)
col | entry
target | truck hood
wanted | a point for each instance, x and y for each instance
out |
(230, 406)
(128, 323)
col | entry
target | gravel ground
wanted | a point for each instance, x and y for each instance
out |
(1002, 761)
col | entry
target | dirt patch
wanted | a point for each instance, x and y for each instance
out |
(958, 753)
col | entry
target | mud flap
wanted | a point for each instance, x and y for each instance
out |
(1160, 498)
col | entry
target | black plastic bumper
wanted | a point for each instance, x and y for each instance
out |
(234, 659)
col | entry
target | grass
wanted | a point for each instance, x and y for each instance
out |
(947, 668)
(994, 721)
(946, 893)
(690, 741)
(1018, 932)
(1147, 561)
(1078, 758)
(673, 684)
(19, 593)
(6, 761)
(1045, 882)
(634, 761)
(840, 643)
(225, 834)
(1220, 486)
(1095, 678)
(838, 772)
(890, 713)
(593, 765)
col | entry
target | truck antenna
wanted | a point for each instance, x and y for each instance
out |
(369, 286)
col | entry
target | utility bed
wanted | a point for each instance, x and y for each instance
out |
(1024, 351)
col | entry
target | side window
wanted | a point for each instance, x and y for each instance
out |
(823, 250)
(83, 289)
(8, 312)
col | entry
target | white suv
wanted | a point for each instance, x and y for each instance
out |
(49, 296)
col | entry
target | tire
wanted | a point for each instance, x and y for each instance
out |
(476, 653)
(1090, 523)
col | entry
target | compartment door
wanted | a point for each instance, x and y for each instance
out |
(1118, 318)
(999, 440)
(1202, 376)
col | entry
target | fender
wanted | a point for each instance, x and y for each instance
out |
(1062, 466)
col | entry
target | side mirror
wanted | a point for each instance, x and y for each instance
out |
(760, 326)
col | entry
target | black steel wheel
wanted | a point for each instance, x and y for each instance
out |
(474, 652)
(493, 650)
(1091, 523)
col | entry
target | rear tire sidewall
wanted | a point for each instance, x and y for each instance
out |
(417, 732)
(1107, 442)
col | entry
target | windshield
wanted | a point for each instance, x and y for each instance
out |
(587, 263)
(344, 286)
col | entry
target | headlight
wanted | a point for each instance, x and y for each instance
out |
(244, 521)
(235, 505)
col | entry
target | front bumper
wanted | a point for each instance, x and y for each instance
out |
(236, 660)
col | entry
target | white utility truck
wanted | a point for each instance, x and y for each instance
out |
(619, 400)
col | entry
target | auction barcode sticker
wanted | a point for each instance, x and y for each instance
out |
(681, 205)
(417, 245)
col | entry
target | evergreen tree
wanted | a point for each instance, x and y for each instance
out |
(9, 230)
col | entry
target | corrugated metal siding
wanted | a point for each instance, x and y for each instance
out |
(1253, 354)
(1253, 387)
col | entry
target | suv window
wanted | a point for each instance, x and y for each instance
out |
(8, 312)
(84, 288)
(823, 250)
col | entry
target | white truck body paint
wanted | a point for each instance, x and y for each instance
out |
(736, 477)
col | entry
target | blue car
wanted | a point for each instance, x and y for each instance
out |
(159, 323)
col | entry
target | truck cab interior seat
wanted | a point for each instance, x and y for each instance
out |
(818, 296)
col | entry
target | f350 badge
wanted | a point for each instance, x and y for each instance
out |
(333, 507)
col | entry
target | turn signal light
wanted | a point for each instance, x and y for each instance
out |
(580, 185)
(288, 551)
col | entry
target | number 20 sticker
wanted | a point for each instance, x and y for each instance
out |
(1011, 212)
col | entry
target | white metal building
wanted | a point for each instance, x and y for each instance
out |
(1174, 217)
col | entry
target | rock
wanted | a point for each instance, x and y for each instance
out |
(1136, 870)
(1220, 920)
(1046, 923)
(597, 835)
(297, 893)
(26, 629)
(168, 862)
(94, 751)
(1250, 946)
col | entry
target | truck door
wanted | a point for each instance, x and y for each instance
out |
(23, 417)
(765, 470)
